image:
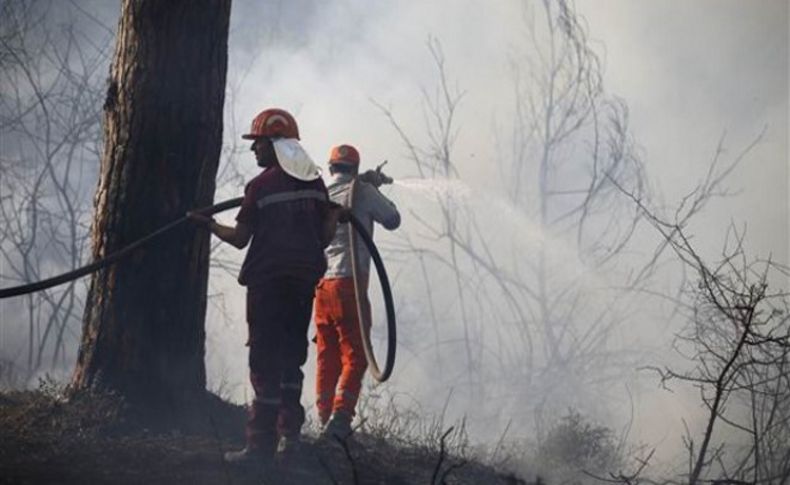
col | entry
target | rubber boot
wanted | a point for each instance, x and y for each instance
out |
(338, 427)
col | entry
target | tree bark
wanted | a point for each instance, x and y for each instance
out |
(143, 328)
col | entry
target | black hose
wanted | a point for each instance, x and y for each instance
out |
(379, 375)
(386, 291)
(108, 260)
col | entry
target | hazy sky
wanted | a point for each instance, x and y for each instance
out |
(690, 72)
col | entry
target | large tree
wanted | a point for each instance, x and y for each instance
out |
(143, 328)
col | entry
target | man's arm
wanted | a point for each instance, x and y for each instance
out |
(238, 236)
(381, 208)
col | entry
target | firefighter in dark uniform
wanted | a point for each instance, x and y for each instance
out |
(287, 218)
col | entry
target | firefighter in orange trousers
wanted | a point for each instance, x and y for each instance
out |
(287, 217)
(341, 362)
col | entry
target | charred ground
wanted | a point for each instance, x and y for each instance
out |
(48, 437)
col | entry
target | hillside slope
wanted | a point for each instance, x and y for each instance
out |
(89, 440)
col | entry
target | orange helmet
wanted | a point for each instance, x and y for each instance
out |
(344, 154)
(273, 122)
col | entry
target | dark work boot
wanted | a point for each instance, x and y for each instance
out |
(338, 427)
(289, 444)
(288, 449)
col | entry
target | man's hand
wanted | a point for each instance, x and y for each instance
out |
(338, 213)
(376, 177)
(370, 177)
(237, 236)
(199, 218)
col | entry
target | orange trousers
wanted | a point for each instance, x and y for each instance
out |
(341, 362)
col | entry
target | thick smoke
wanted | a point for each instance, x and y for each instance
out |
(689, 79)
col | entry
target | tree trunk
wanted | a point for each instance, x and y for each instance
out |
(143, 328)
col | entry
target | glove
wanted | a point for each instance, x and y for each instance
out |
(375, 178)
(371, 177)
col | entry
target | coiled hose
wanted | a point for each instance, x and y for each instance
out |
(359, 292)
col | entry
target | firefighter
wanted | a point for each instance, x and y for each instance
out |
(286, 218)
(341, 361)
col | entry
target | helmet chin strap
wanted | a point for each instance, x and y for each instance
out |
(266, 163)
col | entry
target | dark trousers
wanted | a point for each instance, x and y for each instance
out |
(278, 314)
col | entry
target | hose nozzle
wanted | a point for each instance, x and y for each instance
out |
(376, 177)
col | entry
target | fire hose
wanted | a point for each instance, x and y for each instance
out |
(223, 206)
(359, 292)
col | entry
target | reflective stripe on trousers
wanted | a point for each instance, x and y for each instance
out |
(278, 315)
